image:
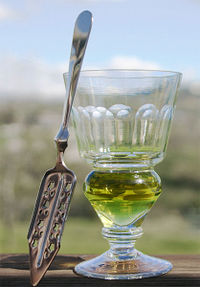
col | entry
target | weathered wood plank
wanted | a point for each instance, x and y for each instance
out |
(14, 271)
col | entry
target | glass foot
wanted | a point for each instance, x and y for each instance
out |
(107, 267)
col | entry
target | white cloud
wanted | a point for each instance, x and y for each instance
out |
(194, 87)
(189, 74)
(191, 80)
(33, 77)
(6, 13)
(30, 77)
(123, 62)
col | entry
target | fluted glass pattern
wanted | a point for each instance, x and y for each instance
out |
(118, 122)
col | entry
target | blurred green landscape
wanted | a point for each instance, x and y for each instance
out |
(27, 150)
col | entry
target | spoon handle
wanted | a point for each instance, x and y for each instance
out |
(81, 34)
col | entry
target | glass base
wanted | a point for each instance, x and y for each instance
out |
(107, 267)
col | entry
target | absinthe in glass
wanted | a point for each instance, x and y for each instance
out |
(122, 197)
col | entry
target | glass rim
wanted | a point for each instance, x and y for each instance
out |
(163, 73)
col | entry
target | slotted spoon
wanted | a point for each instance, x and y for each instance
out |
(54, 196)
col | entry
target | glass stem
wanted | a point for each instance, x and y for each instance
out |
(122, 241)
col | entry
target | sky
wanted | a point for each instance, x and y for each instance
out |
(36, 36)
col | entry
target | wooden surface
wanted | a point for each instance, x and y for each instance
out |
(14, 271)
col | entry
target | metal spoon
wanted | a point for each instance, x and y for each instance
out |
(55, 193)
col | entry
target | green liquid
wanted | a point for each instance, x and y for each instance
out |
(122, 197)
